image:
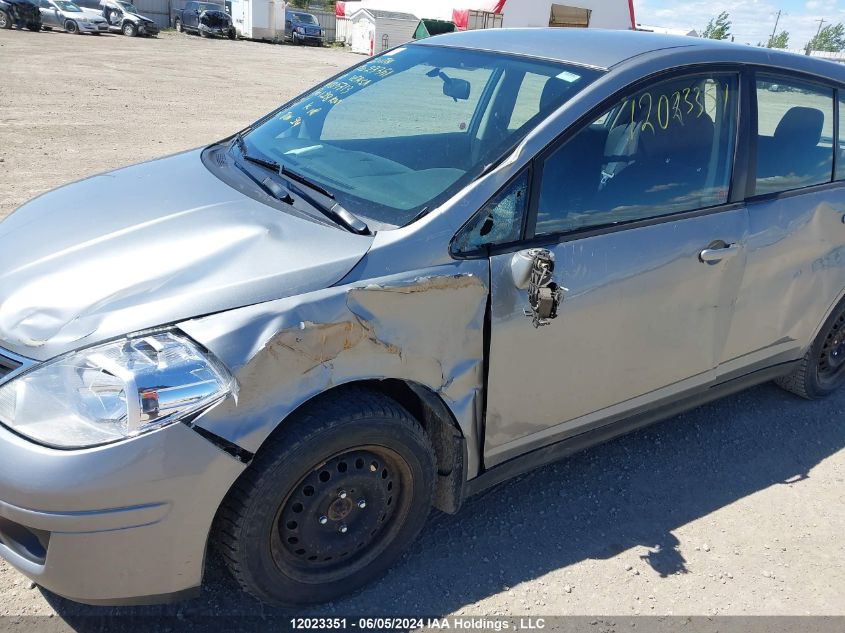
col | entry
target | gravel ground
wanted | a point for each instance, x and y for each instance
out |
(735, 508)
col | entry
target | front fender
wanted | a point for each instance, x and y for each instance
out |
(425, 327)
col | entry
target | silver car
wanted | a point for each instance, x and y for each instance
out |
(63, 14)
(449, 264)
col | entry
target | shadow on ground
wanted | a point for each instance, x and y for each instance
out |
(633, 491)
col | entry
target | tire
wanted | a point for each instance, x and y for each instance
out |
(5, 20)
(313, 517)
(822, 370)
(233, 34)
(72, 27)
(177, 24)
(129, 30)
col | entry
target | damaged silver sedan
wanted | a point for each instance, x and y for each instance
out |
(452, 263)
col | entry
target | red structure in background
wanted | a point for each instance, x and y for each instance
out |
(461, 16)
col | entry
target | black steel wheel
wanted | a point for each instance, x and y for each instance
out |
(822, 370)
(72, 27)
(331, 502)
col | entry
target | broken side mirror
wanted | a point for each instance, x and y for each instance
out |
(533, 269)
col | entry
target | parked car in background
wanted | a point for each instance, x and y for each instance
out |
(63, 14)
(445, 266)
(205, 18)
(303, 28)
(20, 14)
(123, 17)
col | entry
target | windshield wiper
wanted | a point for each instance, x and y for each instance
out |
(333, 210)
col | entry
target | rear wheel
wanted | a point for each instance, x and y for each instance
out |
(129, 30)
(5, 20)
(72, 27)
(233, 34)
(822, 370)
(331, 503)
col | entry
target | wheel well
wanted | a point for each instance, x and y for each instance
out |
(439, 424)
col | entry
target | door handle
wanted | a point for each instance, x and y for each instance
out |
(713, 255)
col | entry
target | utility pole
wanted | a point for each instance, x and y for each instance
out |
(821, 22)
(774, 30)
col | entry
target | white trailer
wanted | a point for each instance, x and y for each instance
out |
(259, 19)
(372, 31)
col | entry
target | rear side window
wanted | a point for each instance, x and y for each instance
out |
(663, 150)
(794, 134)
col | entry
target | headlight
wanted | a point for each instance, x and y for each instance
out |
(300, 30)
(114, 391)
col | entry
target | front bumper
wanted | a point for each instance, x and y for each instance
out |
(308, 39)
(125, 523)
(148, 29)
(222, 31)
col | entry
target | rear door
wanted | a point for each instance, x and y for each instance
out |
(648, 248)
(796, 243)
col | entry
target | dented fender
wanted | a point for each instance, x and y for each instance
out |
(425, 327)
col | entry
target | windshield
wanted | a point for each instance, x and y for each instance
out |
(303, 18)
(70, 7)
(405, 130)
(128, 7)
(209, 6)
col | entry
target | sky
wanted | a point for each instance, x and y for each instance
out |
(753, 20)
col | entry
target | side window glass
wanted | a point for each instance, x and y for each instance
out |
(794, 134)
(498, 222)
(840, 159)
(666, 149)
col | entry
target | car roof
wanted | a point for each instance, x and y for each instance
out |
(605, 49)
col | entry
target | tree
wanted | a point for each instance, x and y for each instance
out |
(831, 39)
(781, 40)
(324, 5)
(719, 28)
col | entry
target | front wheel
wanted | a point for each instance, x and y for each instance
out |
(330, 503)
(72, 27)
(822, 370)
(129, 30)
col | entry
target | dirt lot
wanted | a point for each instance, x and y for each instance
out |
(735, 508)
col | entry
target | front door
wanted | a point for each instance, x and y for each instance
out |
(635, 212)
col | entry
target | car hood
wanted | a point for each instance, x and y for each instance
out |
(149, 245)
